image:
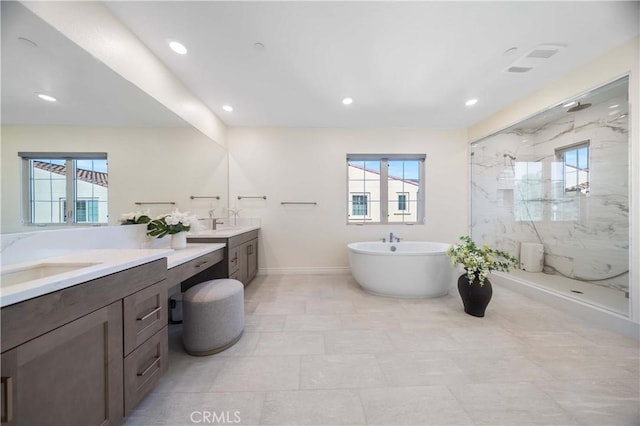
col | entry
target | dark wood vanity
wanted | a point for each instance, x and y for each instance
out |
(88, 354)
(241, 254)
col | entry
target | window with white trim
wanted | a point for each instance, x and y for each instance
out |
(51, 179)
(575, 167)
(385, 188)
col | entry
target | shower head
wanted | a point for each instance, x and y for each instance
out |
(511, 157)
(578, 107)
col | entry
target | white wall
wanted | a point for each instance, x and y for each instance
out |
(145, 164)
(310, 165)
(616, 63)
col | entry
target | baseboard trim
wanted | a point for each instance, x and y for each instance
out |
(305, 271)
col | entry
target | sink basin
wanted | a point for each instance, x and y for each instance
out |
(41, 270)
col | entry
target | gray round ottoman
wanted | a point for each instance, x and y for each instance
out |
(212, 316)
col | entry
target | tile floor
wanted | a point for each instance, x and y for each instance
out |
(319, 351)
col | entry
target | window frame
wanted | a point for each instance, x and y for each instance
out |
(364, 201)
(403, 202)
(69, 216)
(384, 201)
(561, 153)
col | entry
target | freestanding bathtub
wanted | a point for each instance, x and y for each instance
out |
(410, 269)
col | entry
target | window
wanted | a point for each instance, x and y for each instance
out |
(86, 210)
(553, 190)
(571, 184)
(575, 162)
(51, 179)
(385, 188)
(359, 203)
(402, 202)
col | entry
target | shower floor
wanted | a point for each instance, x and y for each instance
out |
(604, 297)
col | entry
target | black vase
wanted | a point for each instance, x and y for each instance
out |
(475, 297)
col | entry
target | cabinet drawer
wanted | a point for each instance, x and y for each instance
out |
(145, 312)
(180, 273)
(144, 367)
(234, 259)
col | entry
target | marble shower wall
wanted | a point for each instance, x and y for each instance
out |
(585, 237)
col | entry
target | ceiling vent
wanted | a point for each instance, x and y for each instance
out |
(519, 69)
(534, 58)
(542, 53)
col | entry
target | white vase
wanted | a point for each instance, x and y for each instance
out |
(179, 241)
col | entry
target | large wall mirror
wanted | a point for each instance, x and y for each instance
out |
(558, 183)
(153, 160)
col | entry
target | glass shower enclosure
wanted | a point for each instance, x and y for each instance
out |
(554, 189)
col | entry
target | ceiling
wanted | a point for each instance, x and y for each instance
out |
(87, 92)
(405, 64)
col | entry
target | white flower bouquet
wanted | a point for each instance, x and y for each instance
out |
(171, 223)
(479, 261)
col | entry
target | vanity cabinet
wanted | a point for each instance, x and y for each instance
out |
(85, 355)
(243, 261)
(71, 375)
(241, 254)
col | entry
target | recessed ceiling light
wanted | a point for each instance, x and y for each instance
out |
(614, 112)
(568, 104)
(227, 108)
(46, 97)
(614, 106)
(178, 47)
(258, 46)
(510, 51)
(347, 101)
(471, 102)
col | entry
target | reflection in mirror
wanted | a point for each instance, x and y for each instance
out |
(152, 154)
(554, 189)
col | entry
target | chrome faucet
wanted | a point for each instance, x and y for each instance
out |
(391, 237)
(212, 221)
(235, 213)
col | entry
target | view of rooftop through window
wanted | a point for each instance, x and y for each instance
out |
(54, 181)
(383, 190)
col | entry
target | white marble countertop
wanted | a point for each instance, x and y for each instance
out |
(224, 232)
(90, 264)
(193, 251)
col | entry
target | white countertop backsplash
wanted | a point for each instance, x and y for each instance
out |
(110, 248)
(26, 246)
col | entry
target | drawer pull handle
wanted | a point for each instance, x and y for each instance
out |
(200, 264)
(149, 367)
(155, 311)
(7, 399)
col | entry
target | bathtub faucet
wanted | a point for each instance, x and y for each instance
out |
(391, 237)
